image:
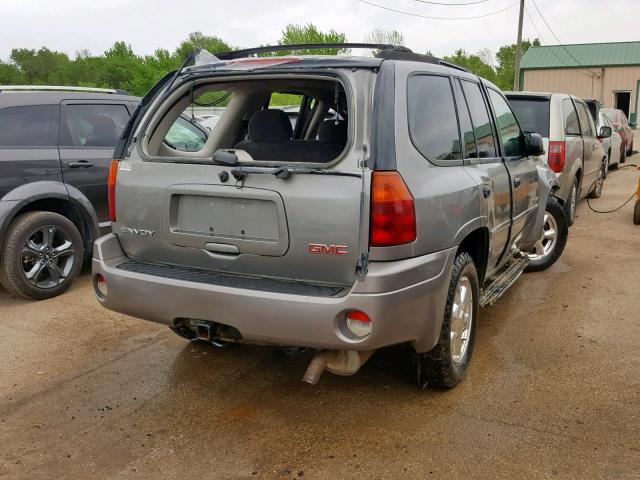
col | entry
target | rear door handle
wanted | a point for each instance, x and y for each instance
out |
(594, 146)
(516, 182)
(80, 164)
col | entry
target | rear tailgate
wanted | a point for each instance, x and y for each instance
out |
(307, 227)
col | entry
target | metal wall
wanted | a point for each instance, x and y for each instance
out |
(598, 83)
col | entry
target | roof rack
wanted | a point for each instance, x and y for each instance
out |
(54, 88)
(306, 46)
(384, 50)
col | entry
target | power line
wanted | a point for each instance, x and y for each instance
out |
(558, 40)
(452, 4)
(436, 18)
(542, 42)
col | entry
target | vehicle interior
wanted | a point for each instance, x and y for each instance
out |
(301, 119)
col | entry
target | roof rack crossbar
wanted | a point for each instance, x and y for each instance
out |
(306, 46)
(60, 88)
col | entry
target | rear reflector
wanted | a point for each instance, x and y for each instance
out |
(556, 156)
(101, 286)
(111, 189)
(393, 216)
(359, 323)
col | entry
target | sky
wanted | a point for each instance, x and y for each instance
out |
(72, 25)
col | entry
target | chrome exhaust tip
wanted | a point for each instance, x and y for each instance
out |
(203, 332)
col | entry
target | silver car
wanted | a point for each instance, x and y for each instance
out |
(572, 142)
(399, 202)
(612, 145)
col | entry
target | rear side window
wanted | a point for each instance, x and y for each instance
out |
(570, 118)
(480, 118)
(97, 125)
(466, 127)
(508, 127)
(586, 122)
(433, 125)
(532, 113)
(29, 126)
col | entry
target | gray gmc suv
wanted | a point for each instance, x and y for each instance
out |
(399, 202)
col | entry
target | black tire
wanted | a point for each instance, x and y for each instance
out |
(623, 154)
(569, 212)
(630, 151)
(555, 210)
(636, 213)
(437, 367)
(14, 260)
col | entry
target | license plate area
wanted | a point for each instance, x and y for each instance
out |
(253, 220)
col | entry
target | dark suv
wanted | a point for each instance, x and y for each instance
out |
(56, 144)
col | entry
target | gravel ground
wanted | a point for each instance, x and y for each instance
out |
(553, 390)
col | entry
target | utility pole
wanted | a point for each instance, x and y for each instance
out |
(516, 78)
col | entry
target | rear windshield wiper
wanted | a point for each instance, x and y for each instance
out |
(240, 173)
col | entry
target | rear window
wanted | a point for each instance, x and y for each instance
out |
(279, 119)
(533, 114)
(29, 126)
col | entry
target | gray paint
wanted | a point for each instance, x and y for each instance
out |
(405, 288)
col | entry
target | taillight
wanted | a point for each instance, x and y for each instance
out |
(111, 189)
(393, 216)
(556, 156)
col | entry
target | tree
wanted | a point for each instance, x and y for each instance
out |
(38, 66)
(474, 63)
(10, 74)
(506, 58)
(294, 34)
(200, 40)
(379, 35)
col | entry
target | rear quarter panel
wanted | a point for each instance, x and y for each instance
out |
(447, 200)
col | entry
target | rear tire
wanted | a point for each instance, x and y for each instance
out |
(554, 238)
(630, 151)
(41, 256)
(446, 364)
(636, 213)
(623, 154)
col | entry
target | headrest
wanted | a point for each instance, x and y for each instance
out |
(270, 126)
(331, 133)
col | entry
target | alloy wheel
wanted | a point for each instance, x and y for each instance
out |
(461, 320)
(573, 200)
(47, 257)
(547, 242)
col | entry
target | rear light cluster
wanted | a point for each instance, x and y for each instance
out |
(111, 189)
(393, 216)
(556, 156)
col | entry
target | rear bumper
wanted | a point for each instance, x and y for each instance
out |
(405, 300)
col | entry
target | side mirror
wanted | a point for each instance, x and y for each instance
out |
(605, 132)
(534, 144)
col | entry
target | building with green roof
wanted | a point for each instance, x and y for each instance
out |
(608, 72)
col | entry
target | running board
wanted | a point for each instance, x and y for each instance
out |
(496, 287)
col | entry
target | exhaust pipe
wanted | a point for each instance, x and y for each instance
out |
(339, 362)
